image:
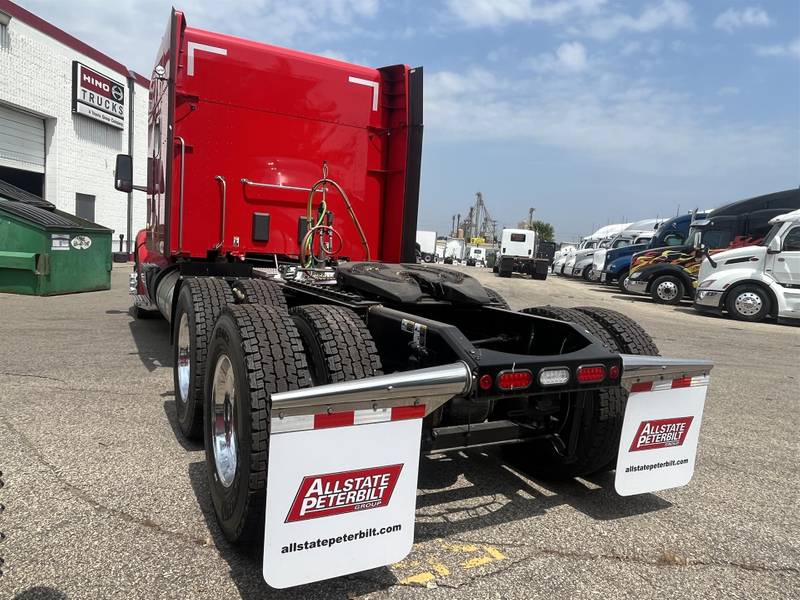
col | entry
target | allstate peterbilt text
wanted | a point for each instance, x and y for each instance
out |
(314, 357)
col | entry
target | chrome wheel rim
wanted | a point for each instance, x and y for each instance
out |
(625, 283)
(223, 426)
(748, 304)
(184, 362)
(667, 290)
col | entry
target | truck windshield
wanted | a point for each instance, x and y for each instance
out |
(620, 243)
(772, 233)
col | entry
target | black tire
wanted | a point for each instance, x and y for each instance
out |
(266, 356)
(748, 303)
(629, 336)
(201, 300)
(338, 344)
(259, 291)
(585, 273)
(494, 269)
(667, 289)
(621, 282)
(504, 273)
(604, 411)
(497, 299)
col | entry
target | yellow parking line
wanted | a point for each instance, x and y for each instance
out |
(494, 553)
(476, 562)
(420, 579)
(439, 568)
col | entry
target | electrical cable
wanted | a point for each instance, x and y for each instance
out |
(322, 183)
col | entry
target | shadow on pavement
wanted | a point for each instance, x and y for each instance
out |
(458, 493)
(41, 593)
(498, 493)
(151, 337)
(172, 419)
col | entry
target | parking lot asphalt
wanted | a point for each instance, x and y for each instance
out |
(104, 500)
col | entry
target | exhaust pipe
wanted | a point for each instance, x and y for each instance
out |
(431, 386)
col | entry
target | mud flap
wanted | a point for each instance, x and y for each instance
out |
(341, 493)
(660, 432)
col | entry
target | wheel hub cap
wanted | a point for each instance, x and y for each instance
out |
(184, 360)
(667, 290)
(223, 425)
(748, 304)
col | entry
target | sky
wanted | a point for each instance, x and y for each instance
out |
(590, 111)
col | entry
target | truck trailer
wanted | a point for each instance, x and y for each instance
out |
(311, 354)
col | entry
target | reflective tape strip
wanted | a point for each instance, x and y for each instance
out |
(670, 384)
(345, 418)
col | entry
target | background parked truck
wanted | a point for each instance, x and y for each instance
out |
(670, 274)
(754, 282)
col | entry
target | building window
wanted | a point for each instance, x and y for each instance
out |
(84, 206)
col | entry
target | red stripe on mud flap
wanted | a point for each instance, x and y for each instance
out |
(337, 419)
(408, 412)
(644, 386)
(682, 382)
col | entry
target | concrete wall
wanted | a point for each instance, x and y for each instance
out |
(36, 76)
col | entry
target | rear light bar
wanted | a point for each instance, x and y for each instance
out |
(514, 380)
(590, 373)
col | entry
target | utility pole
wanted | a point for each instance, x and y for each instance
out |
(530, 218)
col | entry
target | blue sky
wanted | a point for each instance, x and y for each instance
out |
(591, 111)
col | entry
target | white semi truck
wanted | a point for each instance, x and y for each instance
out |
(754, 282)
(518, 255)
(426, 240)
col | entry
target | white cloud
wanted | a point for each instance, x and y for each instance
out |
(791, 49)
(494, 13)
(676, 14)
(130, 30)
(750, 16)
(569, 57)
(603, 117)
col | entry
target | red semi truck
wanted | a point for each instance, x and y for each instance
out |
(314, 358)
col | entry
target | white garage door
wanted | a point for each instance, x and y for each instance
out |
(21, 140)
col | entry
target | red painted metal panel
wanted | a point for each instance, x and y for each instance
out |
(270, 115)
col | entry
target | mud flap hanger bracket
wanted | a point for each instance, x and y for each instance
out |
(431, 387)
(640, 369)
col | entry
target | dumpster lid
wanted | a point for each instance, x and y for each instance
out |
(36, 211)
(12, 192)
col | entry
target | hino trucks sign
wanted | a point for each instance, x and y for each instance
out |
(97, 97)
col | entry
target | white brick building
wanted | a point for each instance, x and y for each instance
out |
(46, 147)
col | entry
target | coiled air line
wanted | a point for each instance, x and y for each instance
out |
(319, 228)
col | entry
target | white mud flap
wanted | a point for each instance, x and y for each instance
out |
(659, 435)
(341, 493)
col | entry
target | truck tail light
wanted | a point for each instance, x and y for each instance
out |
(591, 373)
(613, 372)
(514, 380)
(553, 376)
(485, 382)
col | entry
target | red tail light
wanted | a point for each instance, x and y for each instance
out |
(613, 372)
(591, 373)
(514, 380)
(485, 382)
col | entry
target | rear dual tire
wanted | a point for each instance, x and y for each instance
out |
(256, 351)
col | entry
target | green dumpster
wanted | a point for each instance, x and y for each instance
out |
(45, 252)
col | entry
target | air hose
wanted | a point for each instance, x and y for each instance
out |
(307, 244)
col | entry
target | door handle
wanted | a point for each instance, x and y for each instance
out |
(781, 260)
